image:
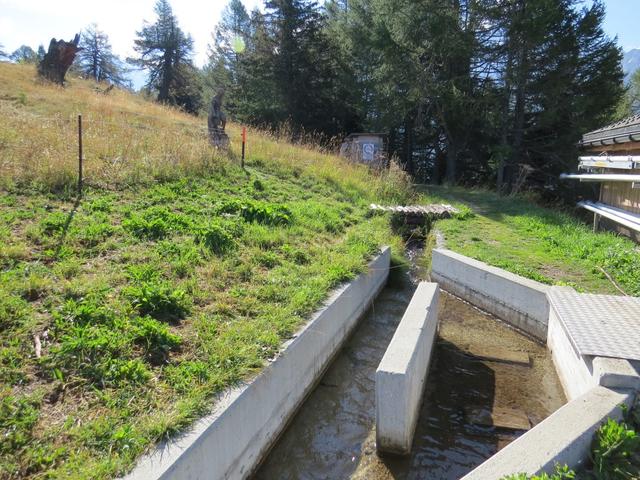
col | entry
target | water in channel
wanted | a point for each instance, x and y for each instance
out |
(333, 434)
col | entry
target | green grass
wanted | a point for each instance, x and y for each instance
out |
(176, 276)
(149, 301)
(544, 244)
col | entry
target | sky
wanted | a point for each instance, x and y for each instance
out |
(34, 22)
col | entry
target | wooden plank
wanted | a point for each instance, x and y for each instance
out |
(500, 417)
(498, 354)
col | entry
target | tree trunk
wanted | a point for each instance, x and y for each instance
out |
(452, 160)
(58, 59)
(408, 145)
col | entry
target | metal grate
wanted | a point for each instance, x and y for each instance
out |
(603, 325)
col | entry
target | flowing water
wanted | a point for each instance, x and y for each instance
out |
(333, 434)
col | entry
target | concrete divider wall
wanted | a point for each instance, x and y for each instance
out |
(402, 372)
(231, 442)
(516, 300)
(564, 437)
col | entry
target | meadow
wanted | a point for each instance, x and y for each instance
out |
(177, 273)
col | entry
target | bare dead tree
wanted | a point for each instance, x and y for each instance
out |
(58, 59)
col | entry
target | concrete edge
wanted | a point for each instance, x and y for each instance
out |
(578, 373)
(518, 301)
(402, 372)
(564, 437)
(246, 421)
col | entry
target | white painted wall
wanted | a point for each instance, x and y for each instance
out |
(246, 421)
(402, 372)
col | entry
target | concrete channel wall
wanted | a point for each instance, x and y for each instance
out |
(516, 300)
(564, 437)
(401, 375)
(231, 442)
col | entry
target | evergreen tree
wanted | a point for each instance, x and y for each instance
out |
(260, 101)
(564, 78)
(41, 53)
(24, 54)
(630, 104)
(165, 51)
(306, 67)
(96, 59)
(230, 39)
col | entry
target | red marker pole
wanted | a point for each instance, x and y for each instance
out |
(244, 141)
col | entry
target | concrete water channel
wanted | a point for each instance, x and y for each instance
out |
(332, 436)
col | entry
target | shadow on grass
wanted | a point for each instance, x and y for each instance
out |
(67, 224)
(491, 205)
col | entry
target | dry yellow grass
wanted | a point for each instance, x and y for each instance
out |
(130, 140)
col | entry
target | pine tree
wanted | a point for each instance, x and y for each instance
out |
(96, 60)
(165, 51)
(260, 101)
(230, 39)
(630, 104)
(306, 67)
(41, 53)
(563, 78)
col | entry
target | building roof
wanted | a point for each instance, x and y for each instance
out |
(627, 130)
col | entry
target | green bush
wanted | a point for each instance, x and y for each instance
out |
(93, 233)
(612, 452)
(268, 259)
(158, 299)
(155, 223)
(255, 211)
(54, 223)
(561, 473)
(215, 238)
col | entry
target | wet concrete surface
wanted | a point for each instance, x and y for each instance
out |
(333, 434)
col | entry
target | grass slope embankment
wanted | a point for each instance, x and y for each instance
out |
(175, 276)
(544, 244)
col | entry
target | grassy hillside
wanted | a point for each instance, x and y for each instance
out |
(176, 275)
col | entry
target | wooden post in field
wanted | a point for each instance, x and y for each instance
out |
(79, 154)
(244, 141)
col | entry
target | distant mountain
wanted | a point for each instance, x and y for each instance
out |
(630, 63)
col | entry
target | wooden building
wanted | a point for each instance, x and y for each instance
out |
(612, 158)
